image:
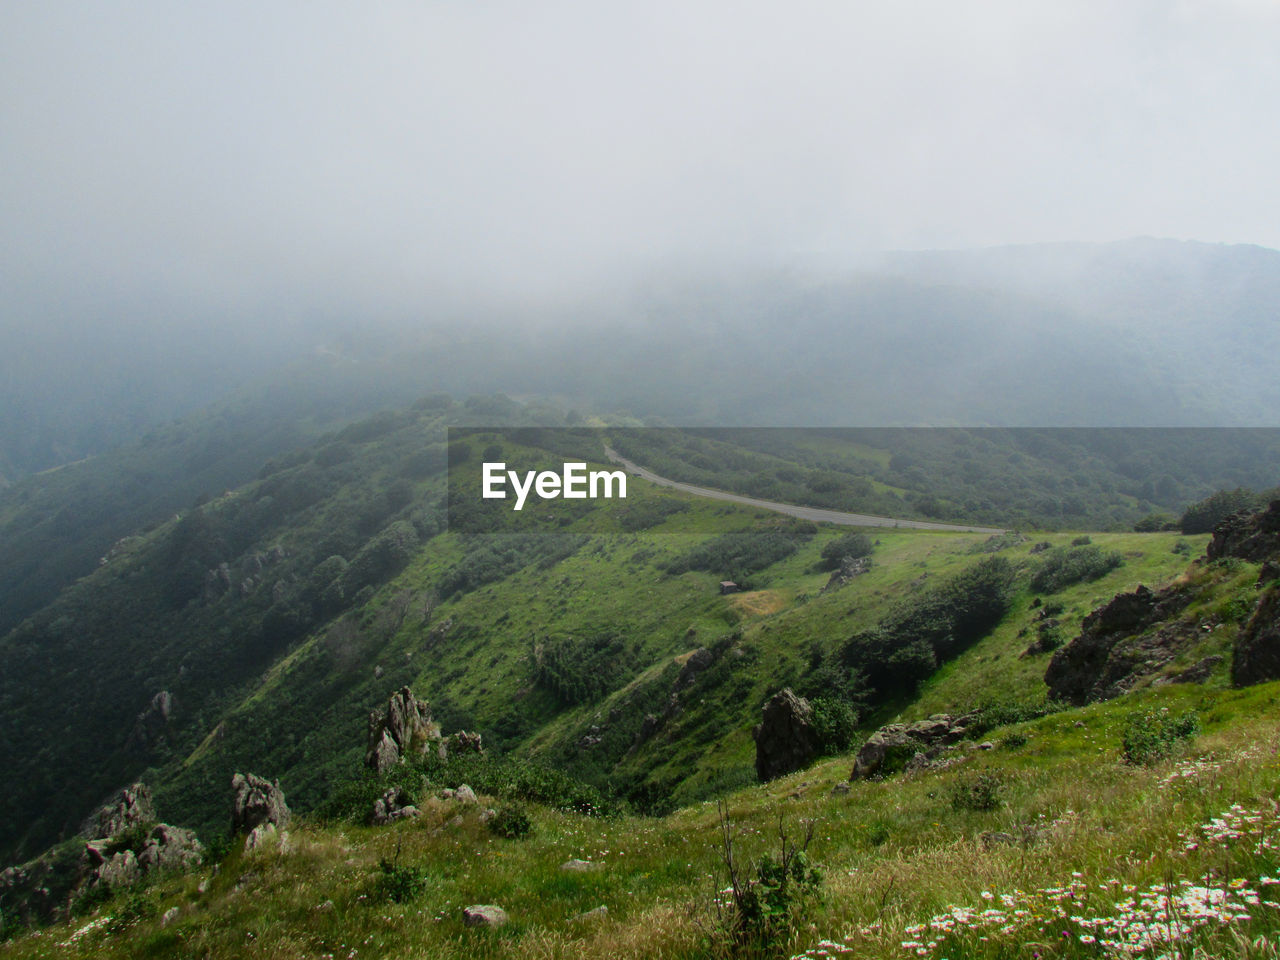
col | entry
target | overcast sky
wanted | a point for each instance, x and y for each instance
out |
(296, 155)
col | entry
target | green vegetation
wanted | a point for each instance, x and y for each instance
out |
(981, 791)
(741, 553)
(851, 546)
(1155, 734)
(615, 689)
(511, 822)
(1064, 566)
(1203, 515)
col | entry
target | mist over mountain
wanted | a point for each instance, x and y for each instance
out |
(1142, 332)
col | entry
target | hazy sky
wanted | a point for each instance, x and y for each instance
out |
(305, 154)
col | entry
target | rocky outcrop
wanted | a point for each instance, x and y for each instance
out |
(463, 742)
(165, 848)
(1257, 649)
(1249, 535)
(129, 808)
(395, 804)
(258, 809)
(924, 737)
(785, 737)
(403, 729)
(122, 845)
(1114, 649)
(849, 569)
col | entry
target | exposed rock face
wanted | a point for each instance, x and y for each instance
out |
(403, 729)
(785, 738)
(258, 808)
(395, 804)
(118, 851)
(131, 807)
(110, 869)
(1112, 653)
(1253, 536)
(165, 848)
(170, 848)
(1257, 649)
(925, 737)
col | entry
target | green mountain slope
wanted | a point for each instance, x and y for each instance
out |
(1063, 829)
(277, 615)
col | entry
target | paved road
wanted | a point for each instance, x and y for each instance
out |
(816, 514)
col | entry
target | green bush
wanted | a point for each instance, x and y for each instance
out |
(1204, 515)
(136, 908)
(896, 758)
(1064, 566)
(1007, 712)
(983, 791)
(835, 722)
(511, 822)
(764, 909)
(848, 547)
(908, 644)
(518, 780)
(743, 552)
(399, 884)
(1153, 735)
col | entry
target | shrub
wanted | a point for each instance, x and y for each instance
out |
(896, 758)
(848, 547)
(1153, 735)
(511, 822)
(743, 552)
(834, 722)
(1004, 713)
(1064, 566)
(134, 910)
(397, 883)
(1203, 516)
(983, 791)
(764, 908)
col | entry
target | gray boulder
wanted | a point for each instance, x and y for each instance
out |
(258, 809)
(1117, 646)
(484, 915)
(785, 737)
(395, 804)
(170, 848)
(924, 740)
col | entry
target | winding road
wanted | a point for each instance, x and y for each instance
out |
(816, 514)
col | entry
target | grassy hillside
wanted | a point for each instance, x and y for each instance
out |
(616, 687)
(279, 613)
(1057, 839)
